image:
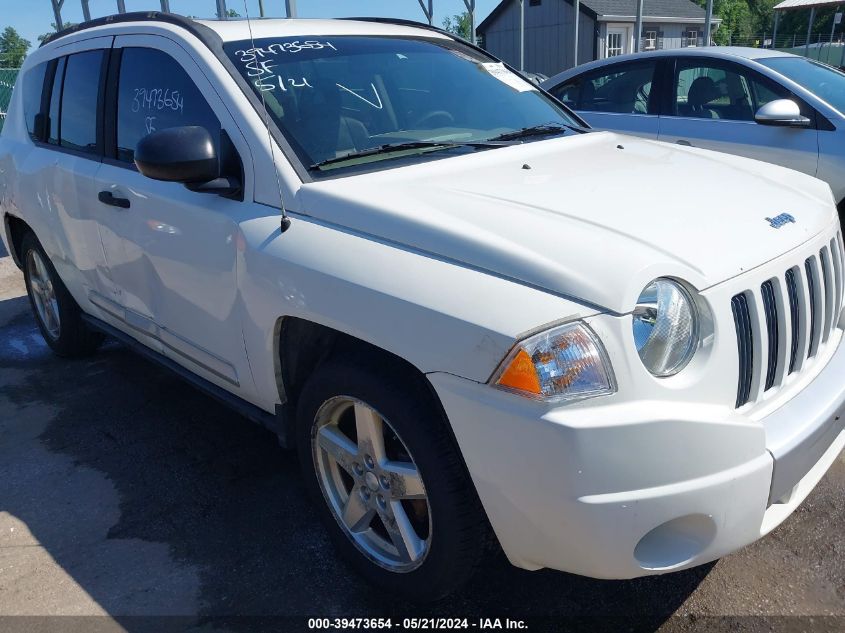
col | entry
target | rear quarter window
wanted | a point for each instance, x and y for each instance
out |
(33, 88)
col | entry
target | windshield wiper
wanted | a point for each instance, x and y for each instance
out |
(535, 130)
(399, 147)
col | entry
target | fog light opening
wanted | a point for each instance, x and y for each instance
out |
(676, 542)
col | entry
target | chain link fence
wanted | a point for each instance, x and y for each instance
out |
(7, 83)
(824, 48)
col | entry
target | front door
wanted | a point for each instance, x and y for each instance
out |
(172, 253)
(617, 42)
(713, 105)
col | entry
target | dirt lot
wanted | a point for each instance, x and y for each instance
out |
(124, 492)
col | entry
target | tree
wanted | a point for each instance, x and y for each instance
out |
(231, 13)
(66, 25)
(459, 25)
(13, 48)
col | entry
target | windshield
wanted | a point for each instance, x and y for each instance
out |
(334, 97)
(823, 81)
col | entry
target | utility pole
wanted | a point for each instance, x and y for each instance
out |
(290, 7)
(428, 10)
(708, 22)
(470, 4)
(775, 34)
(576, 8)
(57, 13)
(638, 26)
(261, 8)
(522, 35)
(809, 31)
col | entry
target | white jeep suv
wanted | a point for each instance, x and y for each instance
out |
(463, 308)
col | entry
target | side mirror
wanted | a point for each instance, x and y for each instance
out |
(784, 112)
(186, 155)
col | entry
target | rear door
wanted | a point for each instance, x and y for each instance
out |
(712, 104)
(172, 253)
(616, 97)
(59, 175)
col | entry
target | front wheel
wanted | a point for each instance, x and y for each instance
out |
(388, 481)
(56, 313)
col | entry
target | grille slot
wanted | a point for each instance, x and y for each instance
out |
(812, 283)
(838, 264)
(827, 287)
(745, 345)
(781, 327)
(795, 318)
(767, 291)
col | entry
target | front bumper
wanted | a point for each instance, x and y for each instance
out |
(626, 489)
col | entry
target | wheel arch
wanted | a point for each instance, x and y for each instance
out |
(15, 229)
(303, 345)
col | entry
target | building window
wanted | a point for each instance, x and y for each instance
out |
(650, 40)
(614, 44)
(691, 39)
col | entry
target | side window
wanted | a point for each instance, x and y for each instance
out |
(568, 93)
(725, 92)
(155, 93)
(56, 103)
(622, 89)
(33, 88)
(80, 96)
(763, 91)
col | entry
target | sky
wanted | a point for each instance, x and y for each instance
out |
(33, 17)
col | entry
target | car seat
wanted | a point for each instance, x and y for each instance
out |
(702, 91)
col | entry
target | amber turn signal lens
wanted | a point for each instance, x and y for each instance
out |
(565, 363)
(521, 374)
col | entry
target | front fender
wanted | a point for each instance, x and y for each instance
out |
(437, 315)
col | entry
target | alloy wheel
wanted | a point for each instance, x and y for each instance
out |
(43, 294)
(372, 484)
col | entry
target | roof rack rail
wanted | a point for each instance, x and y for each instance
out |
(419, 25)
(398, 21)
(135, 16)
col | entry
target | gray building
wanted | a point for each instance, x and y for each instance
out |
(605, 29)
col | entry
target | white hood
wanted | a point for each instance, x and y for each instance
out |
(594, 217)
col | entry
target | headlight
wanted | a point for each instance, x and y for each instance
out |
(564, 363)
(665, 327)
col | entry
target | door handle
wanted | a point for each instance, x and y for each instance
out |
(107, 197)
(684, 143)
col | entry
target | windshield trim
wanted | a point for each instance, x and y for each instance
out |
(303, 167)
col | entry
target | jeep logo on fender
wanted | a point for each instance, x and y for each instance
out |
(781, 220)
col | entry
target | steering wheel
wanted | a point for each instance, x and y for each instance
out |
(429, 118)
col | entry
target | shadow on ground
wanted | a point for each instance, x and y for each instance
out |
(218, 504)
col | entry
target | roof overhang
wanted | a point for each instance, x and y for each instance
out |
(651, 19)
(786, 5)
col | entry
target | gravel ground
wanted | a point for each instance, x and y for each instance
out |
(127, 494)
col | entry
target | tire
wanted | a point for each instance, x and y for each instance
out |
(449, 524)
(56, 313)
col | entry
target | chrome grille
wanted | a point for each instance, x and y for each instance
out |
(788, 321)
